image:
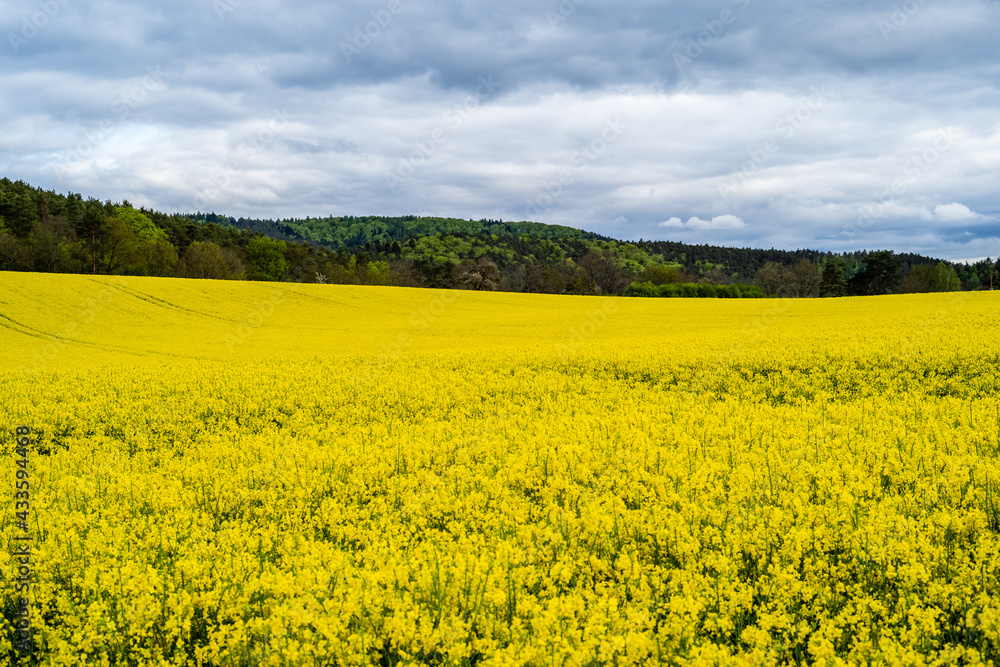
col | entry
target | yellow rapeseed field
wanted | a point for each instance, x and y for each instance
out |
(233, 473)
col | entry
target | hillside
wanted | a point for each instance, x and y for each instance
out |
(70, 322)
(355, 232)
(48, 232)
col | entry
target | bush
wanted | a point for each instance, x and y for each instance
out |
(727, 291)
(688, 290)
(751, 292)
(694, 291)
(646, 289)
(706, 290)
(669, 291)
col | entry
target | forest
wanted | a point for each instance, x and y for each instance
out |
(45, 231)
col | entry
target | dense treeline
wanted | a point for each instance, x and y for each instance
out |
(695, 291)
(352, 232)
(45, 231)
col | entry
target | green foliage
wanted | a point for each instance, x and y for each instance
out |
(663, 274)
(643, 289)
(19, 205)
(605, 270)
(834, 282)
(969, 276)
(118, 249)
(801, 280)
(267, 259)
(207, 261)
(478, 275)
(356, 232)
(90, 229)
(54, 248)
(737, 292)
(46, 231)
(694, 291)
(140, 224)
(14, 256)
(127, 241)
(932, 278)
(881, 275)
(160, 258)
(989, 274)
(773, 279)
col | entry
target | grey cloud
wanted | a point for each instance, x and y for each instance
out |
(566, 68)
(335, 145)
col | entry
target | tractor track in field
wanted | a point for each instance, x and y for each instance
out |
(150, 299)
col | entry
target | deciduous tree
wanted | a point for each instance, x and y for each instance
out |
(604, 269)
(773, 279)
(804, 279)
(52, 243)
(267, 259)
(203, 260)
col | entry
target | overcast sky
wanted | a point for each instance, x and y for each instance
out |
(829, 124)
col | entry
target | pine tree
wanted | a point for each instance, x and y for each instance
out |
(834, 280)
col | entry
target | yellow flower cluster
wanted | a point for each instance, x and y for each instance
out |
(271, 474)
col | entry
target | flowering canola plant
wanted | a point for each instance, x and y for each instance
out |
(274, 474)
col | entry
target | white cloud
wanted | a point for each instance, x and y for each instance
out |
(954, 212)
(718, 222)
(415, 102)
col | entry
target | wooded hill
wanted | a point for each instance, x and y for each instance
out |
(45, 231)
